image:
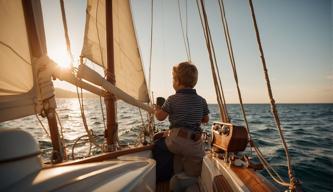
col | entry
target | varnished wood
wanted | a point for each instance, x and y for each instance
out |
(230, 177)
(220, 184)
(105, 156)
(111, 133)
(36, 37)
(233, 140)
(162, 186)
(252, 180)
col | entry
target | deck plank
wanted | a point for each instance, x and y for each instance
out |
(220, 183)
(162, 186)
(252, 180)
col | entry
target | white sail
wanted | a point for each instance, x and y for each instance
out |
(129, 74)
(20, 94)
(16, 70)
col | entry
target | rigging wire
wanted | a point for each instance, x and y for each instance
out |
(213, 62)
(272, 101)
(184, 33)
(102, 111)
(151, 45)
(269, 168)
(91, 139)
(84, 120)
(188, 42)
(102, 59)
(151, 96)
(64, 21)
(98, 37)
(233, 64)
(221, 100)
(143, 130)
(62, 138)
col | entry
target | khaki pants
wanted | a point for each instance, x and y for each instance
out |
(188, 154)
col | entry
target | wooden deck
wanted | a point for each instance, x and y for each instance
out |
(162, 186)
(220, 183)
(253, 180)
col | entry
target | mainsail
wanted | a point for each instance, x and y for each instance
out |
(16, 72)
(18, 56)
(129, 74)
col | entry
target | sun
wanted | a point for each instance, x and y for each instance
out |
(60, 56)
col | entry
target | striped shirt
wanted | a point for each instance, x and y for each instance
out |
(186, 109)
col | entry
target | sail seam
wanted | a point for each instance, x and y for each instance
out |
(15, 52)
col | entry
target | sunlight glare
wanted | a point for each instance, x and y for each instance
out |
(60, 56)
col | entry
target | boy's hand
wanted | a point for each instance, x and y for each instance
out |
(157, 107)
(205, 119)
(159, 113)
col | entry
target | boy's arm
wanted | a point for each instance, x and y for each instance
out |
(205, 119)
(160, 114)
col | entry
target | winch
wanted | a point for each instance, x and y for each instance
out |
(229, 137)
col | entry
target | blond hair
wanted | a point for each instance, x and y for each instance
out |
(186, 74)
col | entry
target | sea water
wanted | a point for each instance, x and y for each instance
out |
(308, 130)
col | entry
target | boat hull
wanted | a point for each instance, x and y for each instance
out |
(217, 175)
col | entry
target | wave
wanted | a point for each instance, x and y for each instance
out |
(308, 131)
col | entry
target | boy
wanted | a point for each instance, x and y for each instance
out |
(186, 111)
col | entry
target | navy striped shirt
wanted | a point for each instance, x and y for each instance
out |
(185, 109)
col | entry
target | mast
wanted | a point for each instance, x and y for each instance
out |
(111, 133)
(35, 31)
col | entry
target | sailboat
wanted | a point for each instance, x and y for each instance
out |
(26, 88)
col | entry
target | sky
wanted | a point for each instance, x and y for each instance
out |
(297, 38)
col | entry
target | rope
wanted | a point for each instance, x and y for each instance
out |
(212, 57)
(233, 65)
(264, 162)
(269, 168)
(211, 61)
(188, 42)
(220, 96)
(151, 44)
(223, 101)
(185, 35)
(272, 101)
(41, 123)
(102, 111)
(150, 62)
(151, 119)
(74, 145)
(91, 139)
(61, 130)
(99, 40)
(64, 21)
(62, 138)
(143, 126)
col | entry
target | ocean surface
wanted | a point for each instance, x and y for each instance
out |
(308, 129)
